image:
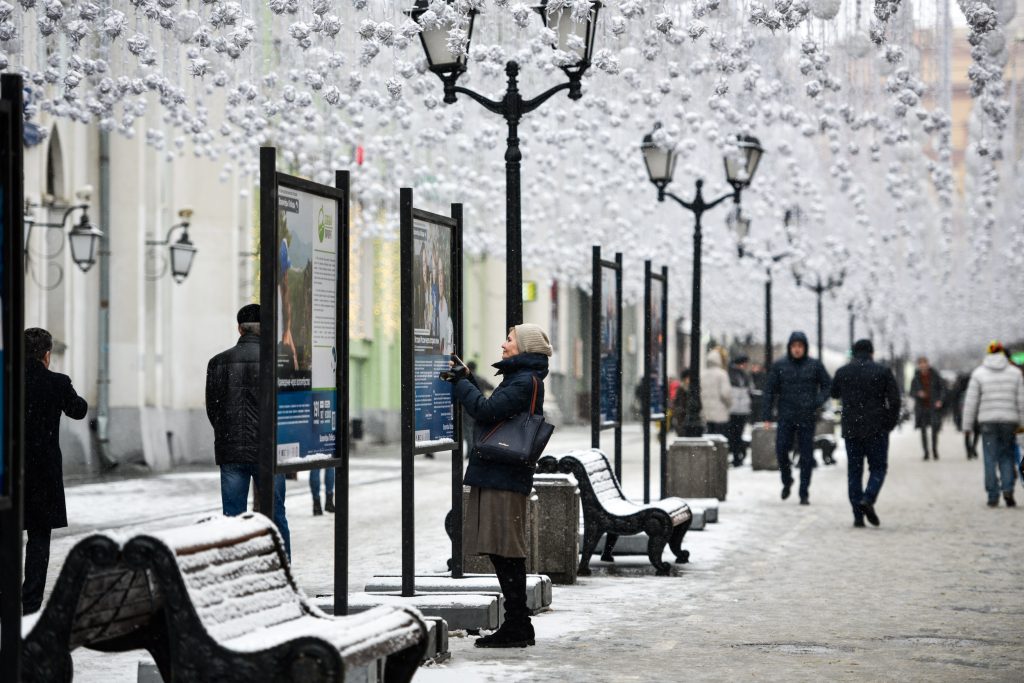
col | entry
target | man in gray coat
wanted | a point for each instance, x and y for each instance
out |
(995, 401)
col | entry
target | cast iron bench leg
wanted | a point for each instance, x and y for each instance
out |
(676, 541)
(591, 535)
(609, 547)
(657, 539)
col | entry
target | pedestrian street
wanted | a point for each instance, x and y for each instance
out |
(773, 591)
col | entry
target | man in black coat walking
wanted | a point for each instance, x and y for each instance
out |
(233, 406)
(800, 385)
(48, 395)
(871, 409)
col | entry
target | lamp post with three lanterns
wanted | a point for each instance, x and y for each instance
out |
(739, 172)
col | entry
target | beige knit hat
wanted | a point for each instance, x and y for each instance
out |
(532, 339)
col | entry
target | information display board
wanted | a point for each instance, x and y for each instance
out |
(12, 369)
(611, 368)
(5, 491)
(307, 326)
(433, 332)
(655, 368)
(431, 297)
(656, 344)
(304, 274)
(606, 353)
(11, 285)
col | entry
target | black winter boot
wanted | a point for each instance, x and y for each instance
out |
(317, 510)
(329, 503)
(517, 629)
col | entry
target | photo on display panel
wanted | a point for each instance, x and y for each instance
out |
(609, 346)
(434, 332)
(657, 349)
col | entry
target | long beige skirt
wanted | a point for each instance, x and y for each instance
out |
(495, 523)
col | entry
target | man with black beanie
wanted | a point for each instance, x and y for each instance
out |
(233, 406)
(871, 409)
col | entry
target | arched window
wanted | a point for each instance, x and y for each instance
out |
(55, 167)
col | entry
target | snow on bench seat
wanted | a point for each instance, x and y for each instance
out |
(606, 510)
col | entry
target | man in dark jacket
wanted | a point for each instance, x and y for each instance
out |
(233, 406)
(929, 392)
(871, 409)
(800, 385)
(48, 395)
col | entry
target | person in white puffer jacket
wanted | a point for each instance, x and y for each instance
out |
(995, 401)
(716, 393)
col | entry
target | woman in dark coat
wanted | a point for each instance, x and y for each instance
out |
(499, 493)
(48, 395)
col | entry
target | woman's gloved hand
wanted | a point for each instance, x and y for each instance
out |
(457, 370)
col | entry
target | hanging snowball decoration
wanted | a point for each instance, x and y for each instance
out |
(858, 45)
(186, 25)
(825, 9)
(1006, 9)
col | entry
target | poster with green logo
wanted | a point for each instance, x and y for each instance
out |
(307, 354)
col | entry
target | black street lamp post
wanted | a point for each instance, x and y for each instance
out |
(575, 37)
(853, 320)
(820, 287)
(741, 225)
(661, 164)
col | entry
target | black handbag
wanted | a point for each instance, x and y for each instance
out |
(519, 440)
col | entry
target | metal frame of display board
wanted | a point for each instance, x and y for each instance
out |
(409, 215)
(650, 278)
(270, 181)
(596, 318)
(12, 414)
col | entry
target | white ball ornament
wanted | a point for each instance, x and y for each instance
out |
(825, 9)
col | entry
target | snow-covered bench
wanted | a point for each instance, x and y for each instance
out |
(606, 510)
(213, 601)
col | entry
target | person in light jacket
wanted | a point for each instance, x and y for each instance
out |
(739, 413)
(995, 401)
(499, 492)
(716, 394)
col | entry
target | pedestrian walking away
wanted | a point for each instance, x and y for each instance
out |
(48, 395)
(871, 409)
(232, 405)
(678, 396)
(499, 492)
(739, 413)
(929, 392)
(956, 399)
(800, 385)
(716, 393)
(995, 401)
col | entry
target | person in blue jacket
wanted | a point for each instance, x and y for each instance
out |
(800, 386)
(499, 492)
